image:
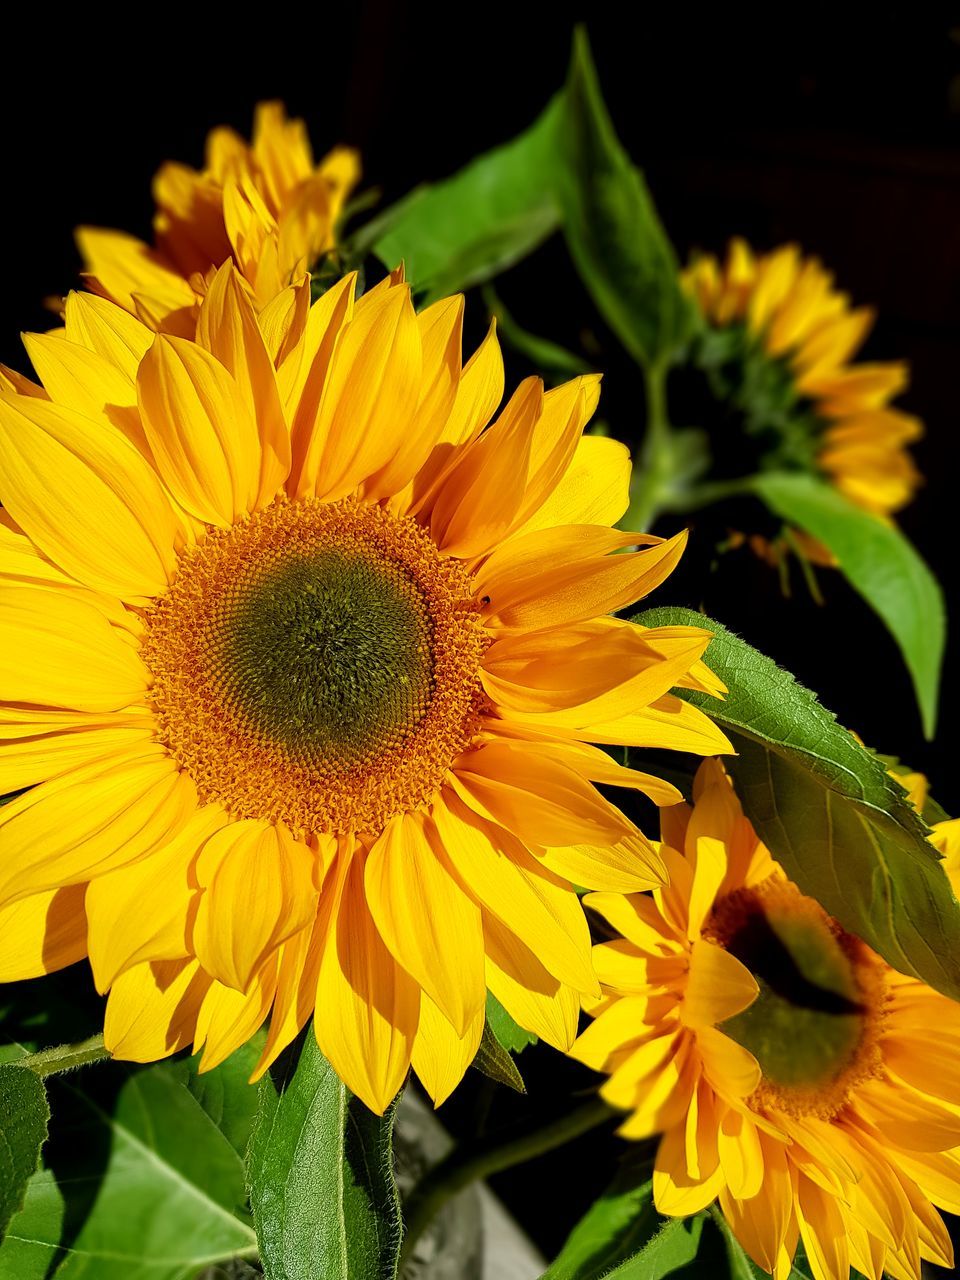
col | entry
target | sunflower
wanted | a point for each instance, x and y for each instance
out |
(301, 667)
(791, 1072)
(778, 344)
(266, 206)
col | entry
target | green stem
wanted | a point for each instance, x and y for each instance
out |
(66, 1057)
(705, 495)
(656, 464)
(495, 1153)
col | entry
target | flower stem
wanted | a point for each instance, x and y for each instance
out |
(66, 1057)
(656, 461)
(500, 1151)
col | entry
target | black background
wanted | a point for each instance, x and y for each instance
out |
(837, 127)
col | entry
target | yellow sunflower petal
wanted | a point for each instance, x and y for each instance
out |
(108, 331)
(441, 336)
(741, 1155)
(440, 1055)
(258, 889)
(42, 933)
(504, 878)
(718, 986)
(594, 489)
(552, 590)
(122, 932)
(368, 1008)
(201, 432)
(303, 378)
(532, 996)
(36, 756)
(296, 995)
(92, 384)
(822, 1230)
(124, 267)
(538, 798)
(57, 649)
(483, 493)
(152, 1010)
(228, 1018)
(227, 326)
(86, 497)
(760, 1223)
(430, 925)
(479, 392)
(371, 393)
(90, 821)
(626, 867)
(674, 1192)
(611, 1038)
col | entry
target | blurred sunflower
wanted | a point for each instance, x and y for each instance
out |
(301, 664)
(266, 205)
(778, 346)
(792, 1073)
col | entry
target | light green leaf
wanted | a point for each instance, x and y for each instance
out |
(509, 1034)
(23, 1129)
(321, 1177)
(616, 239)
(467, 229)
(828, 810)
(139, 1184)
(880, 564)
(496, 1063)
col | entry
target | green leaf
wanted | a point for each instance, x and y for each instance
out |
(467, 229)
(828, 810)
(321, 1176)
(613, 1228)
(880, 564)
(138, 1183)
(615, 238)
(226, 1094)
(24, 1112)
(672, 1248)
(510, 1034)
(496, 1063)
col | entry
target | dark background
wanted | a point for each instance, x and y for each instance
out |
(837, 127)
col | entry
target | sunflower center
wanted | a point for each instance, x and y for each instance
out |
(330, 654)
(317, 664)
(812, 1027)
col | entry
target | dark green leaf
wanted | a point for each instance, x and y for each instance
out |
(881, 565)
(494, 1061)
(138, 1183)
(828, 810)
(472, 226)
(510, 1034)
(615, 237)
(23, 1129)
(321, 1176)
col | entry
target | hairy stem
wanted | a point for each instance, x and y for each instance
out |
(66, 1057)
